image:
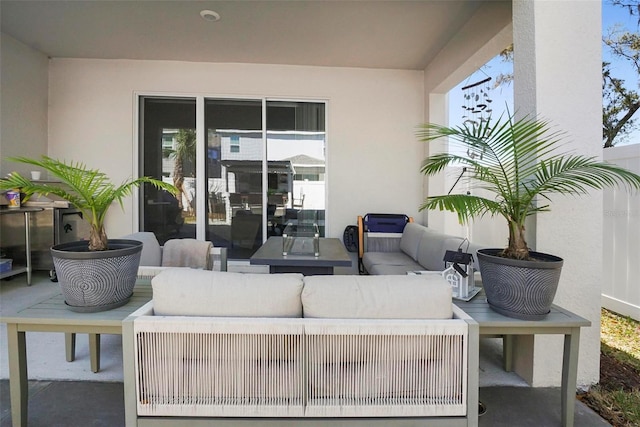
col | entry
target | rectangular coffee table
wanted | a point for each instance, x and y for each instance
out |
(332, 254)
(51, 315)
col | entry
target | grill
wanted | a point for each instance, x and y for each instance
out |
(51, 226)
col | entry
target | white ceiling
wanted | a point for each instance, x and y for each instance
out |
(372, 34)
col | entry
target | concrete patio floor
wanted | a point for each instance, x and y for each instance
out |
(69, 394)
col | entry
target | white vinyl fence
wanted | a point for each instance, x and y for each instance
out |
(621, 239)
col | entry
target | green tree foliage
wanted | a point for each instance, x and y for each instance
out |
(505, 78)
(185, 151)
(620, 99)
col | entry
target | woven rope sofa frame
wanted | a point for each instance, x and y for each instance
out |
(299, 371)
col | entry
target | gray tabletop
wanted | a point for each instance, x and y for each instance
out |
(53, 313)
(479, 309)
(332, 254)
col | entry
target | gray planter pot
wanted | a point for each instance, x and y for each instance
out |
(520, 289)
(94, 281)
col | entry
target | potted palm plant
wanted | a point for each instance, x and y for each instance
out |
(98, 274)
(520, 162)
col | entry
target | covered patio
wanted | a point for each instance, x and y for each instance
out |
(72, 75)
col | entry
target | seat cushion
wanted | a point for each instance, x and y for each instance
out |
(377, 297)
(371, 259)
(189, 292)
(394, 269)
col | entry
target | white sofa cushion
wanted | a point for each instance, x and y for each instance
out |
(189, 292)
(410, 240)
(377, 297)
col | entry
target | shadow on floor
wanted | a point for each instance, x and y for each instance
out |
(69, 404)
(98, 404)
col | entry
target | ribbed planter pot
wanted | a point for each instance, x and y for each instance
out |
(520, 289)
(94, 281)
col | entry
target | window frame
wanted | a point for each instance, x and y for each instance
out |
(200, 98)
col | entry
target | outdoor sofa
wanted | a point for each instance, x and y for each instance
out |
(234, 349)
(417, 248)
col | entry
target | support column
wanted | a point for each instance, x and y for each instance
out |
(558, 77)
(437, 111)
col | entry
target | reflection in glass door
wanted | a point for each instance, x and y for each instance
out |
(296, 165)
(258, 177)
(234, 175)
(168, 149)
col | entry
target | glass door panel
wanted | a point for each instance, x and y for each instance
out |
(234, 175)
(168, 149)
(241, 204)
(296, 161)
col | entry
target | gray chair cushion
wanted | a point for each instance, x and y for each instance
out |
(381, 269)
(432, 248)
(411, 237)
(151, 255)
(371, 259)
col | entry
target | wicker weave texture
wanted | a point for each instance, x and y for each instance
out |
(232, 368)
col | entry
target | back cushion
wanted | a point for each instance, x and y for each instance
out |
(410, 239)
(189, 292)
(151, 255)
(377, 297)
(432, 248)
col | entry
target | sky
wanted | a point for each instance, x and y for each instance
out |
(502, 96)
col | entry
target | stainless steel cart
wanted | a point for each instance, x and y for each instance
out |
(50, 226)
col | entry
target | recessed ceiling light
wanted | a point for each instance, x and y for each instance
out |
(210, 15)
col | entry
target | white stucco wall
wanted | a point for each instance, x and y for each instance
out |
(557, 68)
(373, 158)
(552, 78)
(23, 105)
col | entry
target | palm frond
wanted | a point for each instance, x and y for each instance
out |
(521, 162)
(577, 175)
(466, 206)
(89, 190)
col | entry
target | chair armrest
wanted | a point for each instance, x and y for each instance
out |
(145, 310)
(459, 313)
(473, 361)
(219, 253)
(360, 236)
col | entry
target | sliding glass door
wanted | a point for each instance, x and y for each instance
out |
(263, 167)
(296, 162)
(234, 176)
(168, 151)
